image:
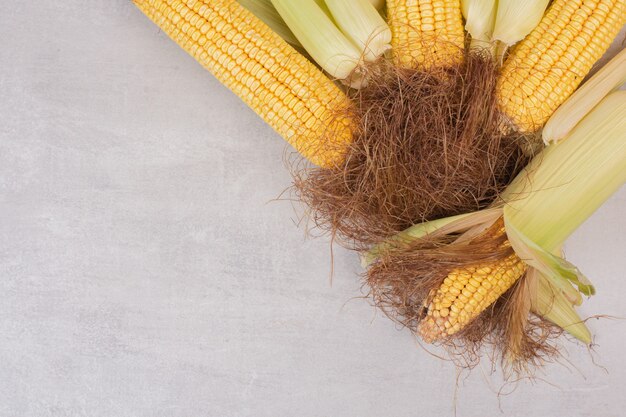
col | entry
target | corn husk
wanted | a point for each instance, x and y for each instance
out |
(515, 19)
(480, 16)
(555, 194)
(378, 4)
(551, 303)
(264, 10)
(568, 181)
(360, 21)
(317, 33)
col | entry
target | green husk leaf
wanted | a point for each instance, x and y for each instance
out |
(378, 4)
(515, 19)
(568, 181)
(560, 272)
(317, 33)
(480, 16)
(264, 10)
(549, 302)
(322, 5)
(361, 22)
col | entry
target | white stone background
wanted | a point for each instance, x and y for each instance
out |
(145, 269)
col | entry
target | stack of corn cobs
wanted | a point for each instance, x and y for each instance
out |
(452, 143)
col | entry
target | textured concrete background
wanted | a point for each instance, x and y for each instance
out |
(146, 271)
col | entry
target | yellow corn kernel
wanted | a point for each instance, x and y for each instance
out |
(486, 284)
(548, 65)
(295, 98)
(426, 33)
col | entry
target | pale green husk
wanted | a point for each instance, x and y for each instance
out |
(517, 18)
(264, 10)
(568, 181)
(550, 302)
(317, 33)
(480, 17)
(360, 21)
(378, 4)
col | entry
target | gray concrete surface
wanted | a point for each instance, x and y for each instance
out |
(145, 269)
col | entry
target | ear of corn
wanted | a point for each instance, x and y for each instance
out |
(277, 82)
(546, 67)
(568, 181)
(610, 77)
(426, 33)
(467, 292)
(550, 199)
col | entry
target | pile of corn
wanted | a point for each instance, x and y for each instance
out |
(292, 63)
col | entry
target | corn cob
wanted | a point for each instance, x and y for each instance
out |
(295, 98)
(467, 292)
(548, 65)
(426, 33)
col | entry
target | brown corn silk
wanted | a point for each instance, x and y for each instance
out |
(427, 144)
